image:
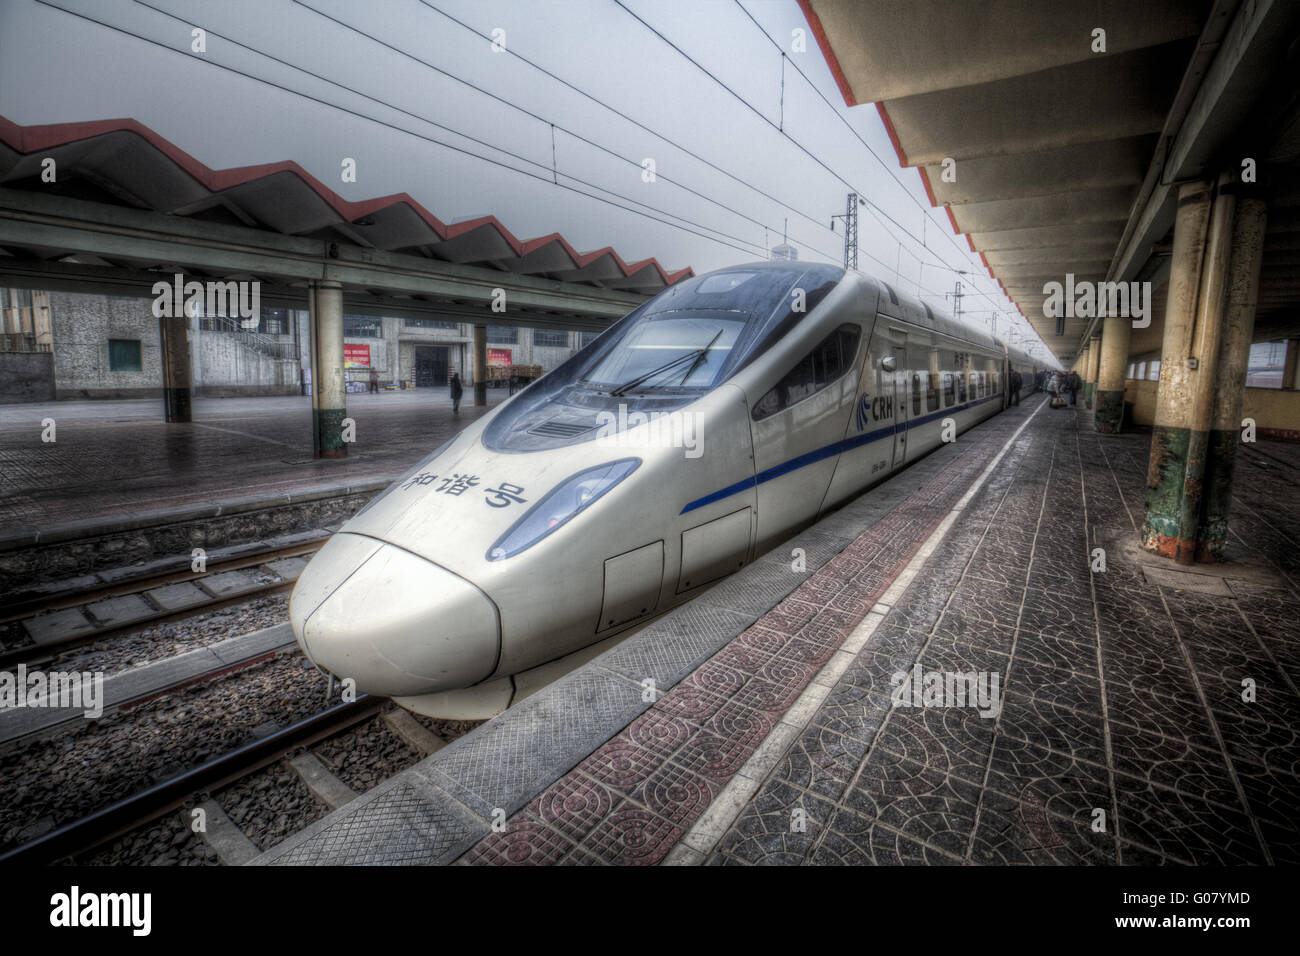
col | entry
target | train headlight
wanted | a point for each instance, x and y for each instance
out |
(565, 502)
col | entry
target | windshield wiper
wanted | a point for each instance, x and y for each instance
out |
(697, 354)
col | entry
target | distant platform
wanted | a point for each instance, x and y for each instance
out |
(115, 461)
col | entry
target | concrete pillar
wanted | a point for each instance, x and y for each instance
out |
(174, 336)
(1164, 528)
(1289, 376)
(1110, 375)
(328, 386)
(480, 365)
(1090, 375)
(1230, 385)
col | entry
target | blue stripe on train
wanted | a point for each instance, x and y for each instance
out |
(821, 454)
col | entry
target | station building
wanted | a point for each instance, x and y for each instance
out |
(68, 345)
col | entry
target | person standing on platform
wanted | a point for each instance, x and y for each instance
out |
(374, 380)
(1072, 382)
(456, 392)
(1014, 383)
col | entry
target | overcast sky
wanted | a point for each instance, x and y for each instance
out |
(56, 67)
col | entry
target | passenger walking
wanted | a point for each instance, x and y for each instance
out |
(1072, 383)
(374, 380)
(456, 392)
(1014, 382)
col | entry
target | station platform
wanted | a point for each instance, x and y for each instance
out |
(1119, 729)
(117, 463)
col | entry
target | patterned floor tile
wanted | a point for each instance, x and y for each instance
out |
(1017, 833)
(854, 841)
(823, 761)
(918, 801)
(1182, 827)
(769, 831)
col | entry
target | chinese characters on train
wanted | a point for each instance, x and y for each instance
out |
(457, 484)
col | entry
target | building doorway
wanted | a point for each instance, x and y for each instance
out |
(430, 366)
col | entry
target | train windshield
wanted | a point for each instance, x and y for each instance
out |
(670, 350)
(684, 342)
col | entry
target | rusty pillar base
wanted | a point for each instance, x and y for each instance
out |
(1110, 412)
(1220, 461)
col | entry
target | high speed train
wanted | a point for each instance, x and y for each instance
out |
(703, 428)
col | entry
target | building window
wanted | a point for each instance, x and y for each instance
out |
(275, 322)
(1153, 373)
(362, 327)
(502, 335)
(429, 324)
(551, 338)
(1142, 370)
(1131, 367)
(124, 355)
(1267, 365)
(586, 338)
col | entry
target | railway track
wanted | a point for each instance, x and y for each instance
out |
(95, 829)
(59, 622)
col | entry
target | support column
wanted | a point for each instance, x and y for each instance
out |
(174, 337)
(1163, 528)
(1289, 377)
(328, 387)
(480, 365)
(1090, 375)
(1110, 376)
(1230, 387)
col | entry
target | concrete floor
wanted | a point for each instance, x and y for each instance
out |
(113, 458)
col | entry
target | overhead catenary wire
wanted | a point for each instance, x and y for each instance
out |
(547, 178)
(874, 155)
(819, 221)
(537, 117)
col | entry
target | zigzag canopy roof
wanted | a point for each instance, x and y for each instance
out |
(127, 163)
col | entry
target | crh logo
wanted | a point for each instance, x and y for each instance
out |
(873, 409)
(864, 410)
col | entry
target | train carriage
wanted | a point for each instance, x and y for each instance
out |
(702, 429)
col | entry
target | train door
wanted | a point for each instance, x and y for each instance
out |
(797, 428)
(900, 388)
(868, 435)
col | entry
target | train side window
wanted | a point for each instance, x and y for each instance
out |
(916, 393)
(948, 394)
(932, 393)
(961, 388)
(829, 360)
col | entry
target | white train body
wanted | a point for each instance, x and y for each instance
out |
(585, 505)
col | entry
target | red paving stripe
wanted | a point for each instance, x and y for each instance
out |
(633, 799)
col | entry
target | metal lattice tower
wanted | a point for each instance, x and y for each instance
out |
(850, 218)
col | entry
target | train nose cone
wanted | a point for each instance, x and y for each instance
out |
(395, 623)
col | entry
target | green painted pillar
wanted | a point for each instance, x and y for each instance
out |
(1194, 327)
(328, 386)
(174, 336)
(1110, 376)
(1239, 328)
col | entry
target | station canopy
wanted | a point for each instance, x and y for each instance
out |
(1065, 129)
